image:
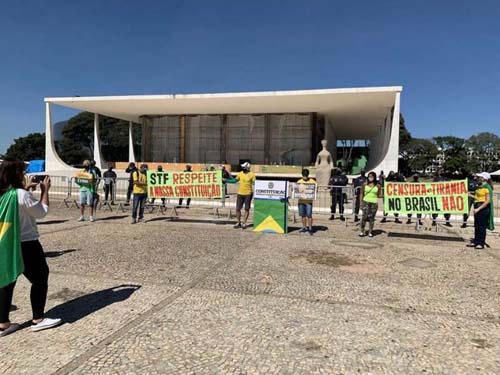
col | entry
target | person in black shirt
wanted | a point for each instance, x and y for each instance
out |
(225, 176)
(109, 184)
(381, 178)
(188, 169)
(439, 178)
(419, 216)
(337, 180)
(159, 168)
(472, 186)
(358, 183)
(98, 173)
(130, 169)
(392, 177)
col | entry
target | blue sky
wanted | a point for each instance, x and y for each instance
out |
(446, 54)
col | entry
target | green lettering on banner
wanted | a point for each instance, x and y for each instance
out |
(185, 184)
(426, 197)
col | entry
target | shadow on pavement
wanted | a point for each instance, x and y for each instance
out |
(55, 254)
(378, 232)
(111, 218)
(78, 308)
(316, 228)
(52, 222)
(195, 221)
(419, 236)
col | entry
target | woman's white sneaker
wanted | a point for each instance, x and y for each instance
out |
(46, 323)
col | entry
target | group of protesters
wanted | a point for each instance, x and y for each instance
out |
(368, 189)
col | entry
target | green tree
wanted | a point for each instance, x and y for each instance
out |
(454, 152)
(78, 138)
(30, 147)
(421, 154)
(483, 151)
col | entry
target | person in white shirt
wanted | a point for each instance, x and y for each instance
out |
(36, 269)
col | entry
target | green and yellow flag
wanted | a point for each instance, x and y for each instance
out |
(11, 260)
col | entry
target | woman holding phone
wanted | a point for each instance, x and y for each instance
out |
(35, 266)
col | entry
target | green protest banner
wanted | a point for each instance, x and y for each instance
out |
(426, 197)
(185, 184)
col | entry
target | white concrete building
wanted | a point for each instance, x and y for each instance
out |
(266, 127)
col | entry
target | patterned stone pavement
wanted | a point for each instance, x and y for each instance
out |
(199, 298)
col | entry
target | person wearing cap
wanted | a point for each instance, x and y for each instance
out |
(245, 194)
(483, 211)
(416, 180)
(187, 170)
(306, 205)
(140, 192)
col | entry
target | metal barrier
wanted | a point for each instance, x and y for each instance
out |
(122, 197)
(65, 190)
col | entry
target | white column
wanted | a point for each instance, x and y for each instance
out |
(99, 160)
(52, 160)
(131, 153)
(391, 158)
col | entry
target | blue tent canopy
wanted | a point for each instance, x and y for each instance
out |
(35, 166)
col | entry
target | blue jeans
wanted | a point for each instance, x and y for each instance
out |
(305, 210)
(139, 201)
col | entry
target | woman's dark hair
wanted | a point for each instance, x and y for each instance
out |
(374, 175)
(11, 174)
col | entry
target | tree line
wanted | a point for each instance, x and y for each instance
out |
(449, 154)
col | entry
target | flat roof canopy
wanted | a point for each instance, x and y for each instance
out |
(356, 113)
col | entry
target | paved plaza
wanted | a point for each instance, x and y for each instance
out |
(194, 297)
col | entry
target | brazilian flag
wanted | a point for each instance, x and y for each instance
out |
(11, 260)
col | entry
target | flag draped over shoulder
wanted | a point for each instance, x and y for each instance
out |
(11, 261)
(491, 219)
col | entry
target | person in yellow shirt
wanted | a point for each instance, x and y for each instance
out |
(140, 191)
(306, 205)
(245, 194)
(483, 211)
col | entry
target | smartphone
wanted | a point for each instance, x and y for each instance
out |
(38, 178)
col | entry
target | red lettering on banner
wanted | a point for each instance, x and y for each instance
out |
(463, 188)
(447, 189)
(452, 203)
(446, 205)
(175, 178)
(388, 189)
(454, 188)
(460, 203)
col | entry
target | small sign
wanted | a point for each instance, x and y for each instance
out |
(304, 191)
(274, 190)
